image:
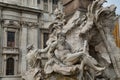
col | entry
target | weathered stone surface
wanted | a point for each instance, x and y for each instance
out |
(83, 46)
(55, 76)
(26, 18)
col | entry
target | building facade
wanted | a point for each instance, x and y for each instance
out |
(22, 22)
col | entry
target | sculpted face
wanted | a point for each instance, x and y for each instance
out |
(30, 47)
(61, 37)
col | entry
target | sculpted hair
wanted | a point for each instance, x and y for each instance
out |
(61, 34)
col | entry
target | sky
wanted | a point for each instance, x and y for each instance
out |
(116, 2)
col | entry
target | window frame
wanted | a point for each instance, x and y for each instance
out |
(8, 68)
(54, 6)
(55, 2)
(41, 44)
(12, 43)
(45, 39)
(45, 1)
(38, 2)
(16, 64)
(41, 41)
(16, 37)
(45, 5)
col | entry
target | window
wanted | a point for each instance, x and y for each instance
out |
(10, 66)
(10, 39)
(45, 38)
(45, 1)
(54, 6)
(55, 2)
(46, 5)
(38, 1)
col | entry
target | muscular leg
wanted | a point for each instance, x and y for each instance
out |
(73, 57)
(87, 61)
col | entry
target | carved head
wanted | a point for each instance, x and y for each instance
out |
(30, 47)
(58, 14)
(61, 37)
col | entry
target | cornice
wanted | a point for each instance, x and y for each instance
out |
(10, 23)
(29, 24)
(21, 8)
(19, 24)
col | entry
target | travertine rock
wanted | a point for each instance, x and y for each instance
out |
(83, 46)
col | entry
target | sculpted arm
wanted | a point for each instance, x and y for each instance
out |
(52, 49)
(45, 50)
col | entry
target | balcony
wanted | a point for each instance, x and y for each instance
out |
(10, 50)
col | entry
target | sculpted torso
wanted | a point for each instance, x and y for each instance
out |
(61, 51)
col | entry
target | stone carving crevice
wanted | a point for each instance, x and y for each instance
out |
(79, 47)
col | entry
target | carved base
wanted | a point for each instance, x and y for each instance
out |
(61, 77)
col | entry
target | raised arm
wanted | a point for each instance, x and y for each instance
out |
(51, 50)
(45, 50)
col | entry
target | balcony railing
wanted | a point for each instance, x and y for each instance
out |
(9, 50)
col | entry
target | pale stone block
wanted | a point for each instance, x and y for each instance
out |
(11, 78)
(29, 17)
(23, 49)
(16, 2)
(8, 14)
(33, 37)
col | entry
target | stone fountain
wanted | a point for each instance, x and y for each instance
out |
(82, 48)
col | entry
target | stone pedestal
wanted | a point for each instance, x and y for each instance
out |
(61, 77)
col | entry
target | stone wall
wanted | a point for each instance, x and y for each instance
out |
(26, 20)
